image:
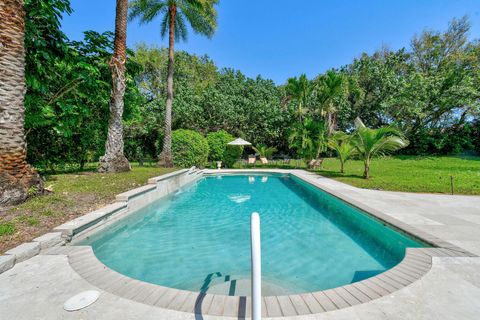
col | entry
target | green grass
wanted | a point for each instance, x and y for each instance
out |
(407, 173)
(7, 229)
(72, 194)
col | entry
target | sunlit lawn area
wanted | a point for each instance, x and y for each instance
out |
(410, 174)
(73, 194)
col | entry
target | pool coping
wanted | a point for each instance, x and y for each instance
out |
(416, 263)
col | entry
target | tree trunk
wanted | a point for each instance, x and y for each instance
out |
(366, 172)
(17, 178)
(166, 156)
(342, 164)
(114, 160)
(331, 123)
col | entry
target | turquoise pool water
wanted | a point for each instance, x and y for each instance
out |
(198, 238)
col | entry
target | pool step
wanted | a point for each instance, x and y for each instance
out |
(242, 287)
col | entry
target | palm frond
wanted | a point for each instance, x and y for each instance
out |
(201, 15)
(264, 151)
(181, 31)
(164, 25)
(147, 10)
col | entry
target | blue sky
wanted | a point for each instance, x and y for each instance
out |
(279, 39)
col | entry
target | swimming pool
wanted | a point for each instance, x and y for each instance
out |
(198, 238)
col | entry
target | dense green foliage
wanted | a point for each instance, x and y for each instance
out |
(308, 138)
(430, 91)
(217, 141)
(220, 151)
(68, 89)
(231, 155)
(189, 148)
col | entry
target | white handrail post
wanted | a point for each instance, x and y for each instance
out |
(256, 267)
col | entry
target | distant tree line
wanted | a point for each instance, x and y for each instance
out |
(431, 91)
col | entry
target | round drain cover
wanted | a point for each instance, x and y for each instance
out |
(81, 300)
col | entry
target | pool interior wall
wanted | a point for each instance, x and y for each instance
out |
(198, 238)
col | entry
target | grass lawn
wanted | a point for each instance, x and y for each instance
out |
(74, 194)
(408, 173)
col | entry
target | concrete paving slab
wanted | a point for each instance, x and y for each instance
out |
(49, 240)
(6, 262)
(24, 251)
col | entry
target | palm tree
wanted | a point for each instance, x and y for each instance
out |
(17, 178)
(371, 142)
(264, 151)
(201, 16)
(114, 159)
(299, 90)
(308, 138)
(342, 144)
(331, 90)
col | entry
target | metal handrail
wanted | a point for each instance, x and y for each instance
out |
(256, 267)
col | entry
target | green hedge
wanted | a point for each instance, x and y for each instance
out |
(217, 142)
(219, 151)
(231, 155)
(189, 148)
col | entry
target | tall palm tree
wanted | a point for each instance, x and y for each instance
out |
(114, 159)
(299, 90)
(371, 142)
(202, 17)
(331, 90)
(343, 146)
(17, 178)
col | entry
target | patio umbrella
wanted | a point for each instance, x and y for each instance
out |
(239, 142)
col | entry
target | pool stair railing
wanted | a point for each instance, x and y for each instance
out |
(256, 261)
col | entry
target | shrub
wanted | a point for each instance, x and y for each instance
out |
(217, 142)
(231, 155)
(219, 149)
(189, 148)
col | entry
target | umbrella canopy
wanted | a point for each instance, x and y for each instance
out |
(239, 142)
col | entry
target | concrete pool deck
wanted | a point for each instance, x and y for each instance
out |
(38, 287)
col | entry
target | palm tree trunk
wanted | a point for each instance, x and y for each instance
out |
(366, 172)
(331, 123)
(114, 160)
(166, 156)
(17, 178)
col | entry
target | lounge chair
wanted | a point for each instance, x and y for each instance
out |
(264, 160)
(252, 159)
(315, 164)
